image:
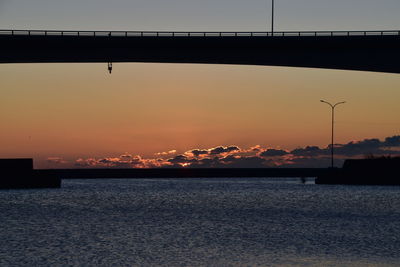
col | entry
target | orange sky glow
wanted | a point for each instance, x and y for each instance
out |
(79, 111)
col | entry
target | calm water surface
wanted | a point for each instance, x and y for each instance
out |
(200, 222)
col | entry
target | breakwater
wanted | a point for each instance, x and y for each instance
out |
(19, 174)
(185, 173)
(374, 171)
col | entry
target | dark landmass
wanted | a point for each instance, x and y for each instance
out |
(374, 171)
(19, 174)
(184, 173)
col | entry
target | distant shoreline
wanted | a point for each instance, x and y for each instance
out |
(19, 173)
(184, 173)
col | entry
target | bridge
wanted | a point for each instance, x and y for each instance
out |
(377, 51)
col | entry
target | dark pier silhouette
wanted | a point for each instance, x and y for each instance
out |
(19, 174)
(375, 171)
(377, 51)
(185, 173)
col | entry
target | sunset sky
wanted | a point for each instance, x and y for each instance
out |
(63, 115)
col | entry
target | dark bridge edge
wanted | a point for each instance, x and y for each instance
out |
(360, 53)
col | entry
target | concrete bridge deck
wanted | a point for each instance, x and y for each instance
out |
(377, 51)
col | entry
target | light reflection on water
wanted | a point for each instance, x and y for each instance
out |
(200, 222)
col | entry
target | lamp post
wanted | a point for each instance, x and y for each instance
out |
(272, 17)
(333, 123)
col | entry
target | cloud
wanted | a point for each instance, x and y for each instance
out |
(256, 148)
(221, 150)
(89, 162)
(309, 151)
(354, 148)
(246, 162)
(230, 161)
(171, 152)
(273, 153)
(393, 141)
(215, 151)
(254, 157)
(56, 160)
(369, 146)
(180, 159)
(311, 162)
(198, 152)
(123, 161)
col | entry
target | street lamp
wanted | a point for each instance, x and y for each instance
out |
(333, 122)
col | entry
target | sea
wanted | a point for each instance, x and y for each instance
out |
(200, 222)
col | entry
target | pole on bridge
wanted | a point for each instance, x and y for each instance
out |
(272, 17)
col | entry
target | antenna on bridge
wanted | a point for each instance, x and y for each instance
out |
(272, 17)
(109, 67)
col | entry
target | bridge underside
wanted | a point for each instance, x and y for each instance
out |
(364, 53)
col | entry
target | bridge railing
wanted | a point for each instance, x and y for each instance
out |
(193, 34)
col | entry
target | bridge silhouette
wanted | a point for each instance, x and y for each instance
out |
(377, 51)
